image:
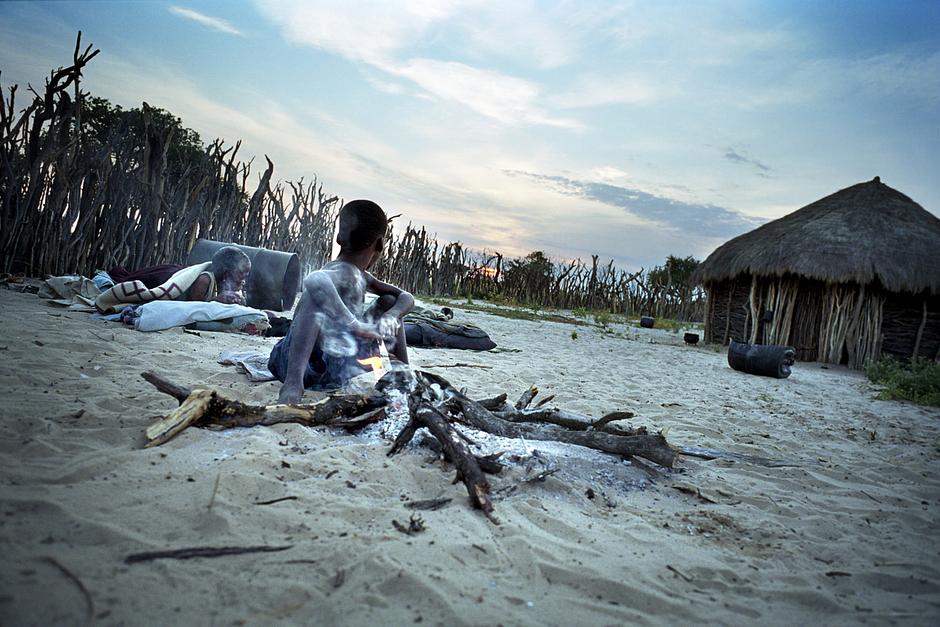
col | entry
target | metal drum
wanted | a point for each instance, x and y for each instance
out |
(768, 360)
(275, 276)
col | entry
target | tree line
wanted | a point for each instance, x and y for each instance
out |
(86, 184)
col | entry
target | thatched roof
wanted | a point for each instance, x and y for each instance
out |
(860, 234)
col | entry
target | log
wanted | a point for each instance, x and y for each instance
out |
(468, 470)
(567, 419)
(205, 408)
(527, 397)
(649, 446)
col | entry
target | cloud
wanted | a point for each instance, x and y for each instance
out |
(386, 33)
(596, 90)
(704, 220)
(500, 97)
(371, 31)
(215, 23)
(732, 155)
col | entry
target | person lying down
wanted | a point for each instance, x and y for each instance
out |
(222, 279)
(332, 328)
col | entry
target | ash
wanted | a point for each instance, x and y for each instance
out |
(527, 458)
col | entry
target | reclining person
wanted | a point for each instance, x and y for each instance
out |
(221, 279)
(332, 327)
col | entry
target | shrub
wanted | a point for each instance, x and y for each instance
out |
(918, 381)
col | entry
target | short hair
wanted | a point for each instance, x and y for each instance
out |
(228, 258)
(361, 222)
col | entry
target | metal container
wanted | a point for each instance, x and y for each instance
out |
(275, 276)
(768, 360)
(647, 322)
(691, 338)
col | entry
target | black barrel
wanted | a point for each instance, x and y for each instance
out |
(690, 338)
(647, 322)
(275, 276)
(764, 359)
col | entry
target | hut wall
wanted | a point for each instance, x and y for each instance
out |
(728, 312)
(804, 332)
(904, 317)
(850, 329)
(834, 323)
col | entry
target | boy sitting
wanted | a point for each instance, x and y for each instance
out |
(332, 327)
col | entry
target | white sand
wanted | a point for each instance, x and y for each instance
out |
(847, 535)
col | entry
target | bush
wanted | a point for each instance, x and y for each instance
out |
(918, 381)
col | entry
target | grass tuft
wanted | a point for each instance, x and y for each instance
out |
(918, 381)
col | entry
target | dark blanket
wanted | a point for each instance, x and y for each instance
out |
(425, 328)
(151, 276)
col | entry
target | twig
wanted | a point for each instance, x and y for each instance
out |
(89, 602)
(215, 488)
(459, 365)
(202, 551)
(679, 572)
(272, 501)
(431, 504)
(870, 496)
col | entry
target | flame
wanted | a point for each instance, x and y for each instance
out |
(377, 364)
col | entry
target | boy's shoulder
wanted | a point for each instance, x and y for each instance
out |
(339, 272)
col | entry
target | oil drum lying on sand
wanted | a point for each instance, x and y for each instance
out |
(768, 360)
(647, 322)
(275, 276)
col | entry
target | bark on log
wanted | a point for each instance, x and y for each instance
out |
(205, 408)
(649, 446)
(468, 470)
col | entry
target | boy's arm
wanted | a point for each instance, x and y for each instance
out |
(403, 300)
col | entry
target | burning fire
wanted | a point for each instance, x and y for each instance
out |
(379, 363)
(375, 363)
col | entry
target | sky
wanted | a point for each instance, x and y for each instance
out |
(630, 130)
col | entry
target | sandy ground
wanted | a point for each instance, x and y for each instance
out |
(846, 534)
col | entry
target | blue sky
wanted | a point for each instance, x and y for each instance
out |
(632, 130)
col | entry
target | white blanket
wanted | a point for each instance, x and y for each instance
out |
(165, 314)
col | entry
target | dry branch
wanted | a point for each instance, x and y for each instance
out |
(208, 409)
(432, 403)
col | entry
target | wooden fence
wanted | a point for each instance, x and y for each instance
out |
(72, 205)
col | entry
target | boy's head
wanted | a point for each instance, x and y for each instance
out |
(362, 225)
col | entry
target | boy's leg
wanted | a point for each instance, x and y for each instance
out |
(304, 332)
(375, 311)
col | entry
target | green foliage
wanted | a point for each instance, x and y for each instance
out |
(104, 123)
(529, 276)
(574, 335)
(676, 273)
(580, 312)
(602, 318)
(918, 381)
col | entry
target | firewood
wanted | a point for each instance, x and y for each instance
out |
(209, 409)
(526, 397)
(468, 470)
(649, 446)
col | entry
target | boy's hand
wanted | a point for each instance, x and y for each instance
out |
(363, 330)
(388, 327)
(290, 393)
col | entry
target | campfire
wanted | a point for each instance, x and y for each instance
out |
(432, 403)
(380, 363)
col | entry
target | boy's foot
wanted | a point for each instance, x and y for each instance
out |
(290, 394)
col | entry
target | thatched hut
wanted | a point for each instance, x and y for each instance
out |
(845, 279)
